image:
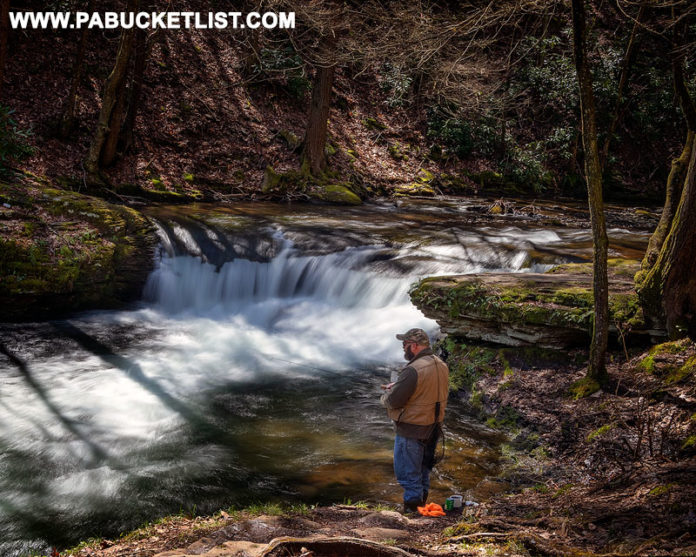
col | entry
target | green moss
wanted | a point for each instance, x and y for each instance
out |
(467, 363)
(73, 264)
(373, 124)
(506, 418)
(416, 188)
(689, 442)
(660, 490)
(563, 304)
(599, 432)
(488, 179)
(583, 388)
(562, 490)
(575, 296)
(336, 193)
(672, 347)
(158, 184)
(325, 187)
(398, 152)
(188, 177)
(425, 176)
(293, 142)
(683, 372)
(476, 400)
(453, 184)
(647, 364)
(330, 149)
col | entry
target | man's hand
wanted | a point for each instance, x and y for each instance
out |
(387, 386)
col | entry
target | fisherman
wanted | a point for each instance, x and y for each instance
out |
(416, 403)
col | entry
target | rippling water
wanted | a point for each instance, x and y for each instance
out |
(250, 371)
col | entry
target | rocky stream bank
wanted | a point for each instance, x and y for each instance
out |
(588, 471)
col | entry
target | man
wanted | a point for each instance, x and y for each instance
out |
(416, 402)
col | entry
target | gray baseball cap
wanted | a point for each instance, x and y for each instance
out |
(419, 336)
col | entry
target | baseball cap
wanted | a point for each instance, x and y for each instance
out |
(419, 336)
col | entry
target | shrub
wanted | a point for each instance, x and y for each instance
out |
(396, 83)
(284, 64)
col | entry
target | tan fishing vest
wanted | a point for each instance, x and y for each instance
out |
(432, 387)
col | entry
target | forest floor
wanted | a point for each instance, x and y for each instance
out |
(612, 473)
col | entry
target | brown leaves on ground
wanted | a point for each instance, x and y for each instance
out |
(611, 473)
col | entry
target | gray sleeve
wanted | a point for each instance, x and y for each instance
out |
(405, 386)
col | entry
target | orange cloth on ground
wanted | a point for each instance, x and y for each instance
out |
(431, 509)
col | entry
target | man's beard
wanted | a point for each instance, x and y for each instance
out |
(408, 354)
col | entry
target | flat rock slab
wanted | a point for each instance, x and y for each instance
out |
(381, 534)
(385, 519)
(550, 310)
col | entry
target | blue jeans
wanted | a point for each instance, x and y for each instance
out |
(413, 461)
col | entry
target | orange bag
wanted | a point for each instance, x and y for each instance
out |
(431, 509)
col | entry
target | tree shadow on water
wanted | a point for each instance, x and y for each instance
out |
(98, 454)
(205, 430)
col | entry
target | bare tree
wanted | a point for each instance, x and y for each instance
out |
(112, 105)
(67, 118)
(596, 369)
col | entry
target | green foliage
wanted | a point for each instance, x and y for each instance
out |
(284, 64)
(14, 141)
(396, 83)
(505, 418)
(454, 133)
(467, 363)
(583, 388)
(599, 432)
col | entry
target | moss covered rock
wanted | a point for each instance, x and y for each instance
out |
(335, 193)
(414, 189)
(64, 251)
(325, 188)
(550, 310)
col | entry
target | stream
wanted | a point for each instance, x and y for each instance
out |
(250, 371)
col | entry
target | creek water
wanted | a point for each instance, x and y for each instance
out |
(251, 369)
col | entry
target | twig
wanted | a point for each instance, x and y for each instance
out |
(480, 535)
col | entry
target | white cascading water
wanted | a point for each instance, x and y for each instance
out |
(105, 403)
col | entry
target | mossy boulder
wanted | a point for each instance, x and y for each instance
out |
(65, 251)
(551, 310)
(325, 188)
(335, 193)
(421, 187)
(488, 179)
(159, 193)
(453, 184)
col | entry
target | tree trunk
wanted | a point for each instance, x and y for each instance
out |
(142, 52)
(666, 283)
(4, 34)
(675, 185)
(623, 81)
(593, 172)
(668, 291)
(110, 99)
(67, 119)
(314, 155)
(108, 154)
